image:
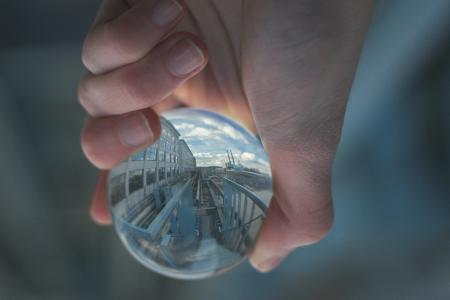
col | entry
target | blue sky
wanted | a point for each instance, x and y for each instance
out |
(209, 135)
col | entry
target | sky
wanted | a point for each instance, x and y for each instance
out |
(210, 135)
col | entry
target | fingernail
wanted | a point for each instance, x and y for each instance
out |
(184, 58)
(134, 130)
(267, 264)
(165, 12)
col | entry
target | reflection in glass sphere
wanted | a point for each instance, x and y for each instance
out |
(191, 205)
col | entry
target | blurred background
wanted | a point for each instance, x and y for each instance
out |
(391, 238)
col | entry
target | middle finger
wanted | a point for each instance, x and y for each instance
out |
(146, 82)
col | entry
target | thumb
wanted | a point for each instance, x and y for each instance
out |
(300, 213)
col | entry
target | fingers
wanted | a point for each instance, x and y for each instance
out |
(300, 214)
(146, 82)
(99, 208)
(130, 34)
(128, 41)
(108, 141)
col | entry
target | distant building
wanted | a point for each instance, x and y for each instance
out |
(167, 149)
(139, 176)
(187, 161)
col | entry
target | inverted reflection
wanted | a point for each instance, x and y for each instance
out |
(191, 205)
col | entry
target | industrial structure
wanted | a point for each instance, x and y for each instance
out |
(163, 202)
(144, 174)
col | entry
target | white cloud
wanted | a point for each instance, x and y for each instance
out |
(211, 161)
(199, 132)
(211, 122)
(209, 139)
(247, 156)
(233, 133)
(204, 155)
(184, 126)
(221, 127)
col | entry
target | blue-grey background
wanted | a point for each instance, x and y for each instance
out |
(391, 238)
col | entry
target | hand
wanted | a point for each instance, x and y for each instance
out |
(281, 67)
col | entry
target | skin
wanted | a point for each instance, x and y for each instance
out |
(283, 68)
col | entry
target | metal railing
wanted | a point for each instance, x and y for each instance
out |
(238, 211)
(158, 223)
(247, 193)
(163, 216)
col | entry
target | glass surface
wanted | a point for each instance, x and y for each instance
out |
(196, 210)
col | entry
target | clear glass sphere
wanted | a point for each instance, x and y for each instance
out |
(191, 205)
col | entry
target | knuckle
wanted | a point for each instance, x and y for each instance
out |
(84, 97)
(91, 150)
(82, 94)
(116, 39)
(108, 38)
(132, 89)
(87, 55)
(86, 58)
(87, 144)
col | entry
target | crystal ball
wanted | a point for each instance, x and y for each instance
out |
(191, 205)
